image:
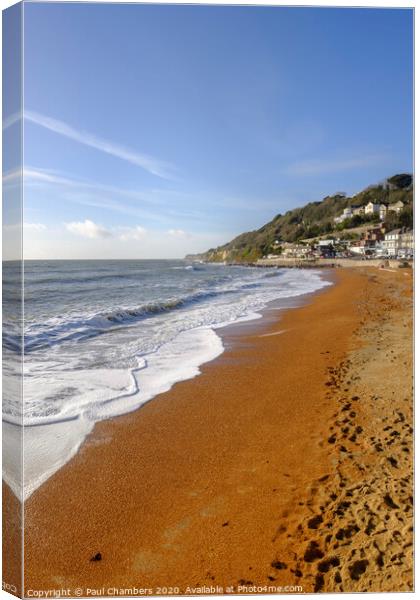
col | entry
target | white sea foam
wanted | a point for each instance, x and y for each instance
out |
(49, 443)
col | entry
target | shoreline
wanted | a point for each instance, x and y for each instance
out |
(62, 437)
(207, 484)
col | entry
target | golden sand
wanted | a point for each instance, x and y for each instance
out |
(286, 463)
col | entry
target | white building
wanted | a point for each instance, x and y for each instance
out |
(396, 207)
(383, 209)
(399, 242)
(391, 243)
(296, 251)
(356, 248)
(358, 210)
(372, 209)
(349, 212)
(324, 243)
(407, 241)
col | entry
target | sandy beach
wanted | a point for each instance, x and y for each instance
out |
(287, 462)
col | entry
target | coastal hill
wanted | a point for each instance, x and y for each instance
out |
(317, 219)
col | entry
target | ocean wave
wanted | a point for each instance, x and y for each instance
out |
(70, 280)
(43, 335)
(186, 268)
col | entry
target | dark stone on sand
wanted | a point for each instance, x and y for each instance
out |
(276, 564)
(96, 557)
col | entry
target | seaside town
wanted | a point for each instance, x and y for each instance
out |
(367, 242)
(375, 223)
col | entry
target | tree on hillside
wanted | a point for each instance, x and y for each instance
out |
(405, 218)
(391, 221)
(400, 181)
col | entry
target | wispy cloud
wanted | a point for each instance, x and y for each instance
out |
(149, 163)
(88, 229)
(133, 233)
(322, 166)
(151, 204)
(30, 175)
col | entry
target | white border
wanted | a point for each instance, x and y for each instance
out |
(387, 4)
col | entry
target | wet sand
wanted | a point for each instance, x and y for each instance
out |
(286, 463)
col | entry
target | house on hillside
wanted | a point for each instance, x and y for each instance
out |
(372, 209)
(349, 212)
(346, 214)
(358, 210)
(383, 209)
(396, 207)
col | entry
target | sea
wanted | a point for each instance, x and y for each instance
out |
(101, 338)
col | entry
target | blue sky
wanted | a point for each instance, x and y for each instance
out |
(152, 131)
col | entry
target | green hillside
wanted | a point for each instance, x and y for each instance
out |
(317, 219)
